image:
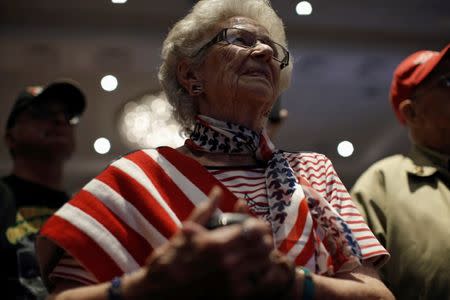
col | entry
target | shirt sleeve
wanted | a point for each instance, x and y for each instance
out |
(322, 176)
(369, 193)
(71, 269)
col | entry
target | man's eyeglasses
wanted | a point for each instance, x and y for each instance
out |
(247, 39)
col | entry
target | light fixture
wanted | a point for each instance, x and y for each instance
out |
(303, 8)
(102, 145)
(345, 149)
(147, 122)
(118, 1)
(109, 83)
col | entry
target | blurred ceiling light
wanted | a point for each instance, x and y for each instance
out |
(109, 83)
(345, 149)
(118, 1)
(102, 145)
(147, 122)
(303, 8)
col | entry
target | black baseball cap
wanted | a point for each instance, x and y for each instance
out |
(66, 90)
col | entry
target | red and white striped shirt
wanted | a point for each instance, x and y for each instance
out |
(246, 183)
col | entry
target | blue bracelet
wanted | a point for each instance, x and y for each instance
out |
(308, 285)
(114, 290)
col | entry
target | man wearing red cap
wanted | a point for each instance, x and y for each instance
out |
(406, 198)
(40, 138)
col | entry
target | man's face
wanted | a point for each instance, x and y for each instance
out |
(431, 101)
(43, 131)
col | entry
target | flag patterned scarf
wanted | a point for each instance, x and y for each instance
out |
(305, 225)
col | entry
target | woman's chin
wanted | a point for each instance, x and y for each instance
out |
(257, 94)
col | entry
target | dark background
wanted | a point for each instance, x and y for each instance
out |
(345, 53)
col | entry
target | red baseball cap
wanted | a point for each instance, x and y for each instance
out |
(410, 73)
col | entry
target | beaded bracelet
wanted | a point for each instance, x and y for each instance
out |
(114, 290)
(308, 285)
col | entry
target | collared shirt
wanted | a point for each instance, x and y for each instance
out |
(406, 202)
(428, 162)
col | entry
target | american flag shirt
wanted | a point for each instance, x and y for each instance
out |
(113, 224)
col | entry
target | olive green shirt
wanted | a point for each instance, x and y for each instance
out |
(406, 202)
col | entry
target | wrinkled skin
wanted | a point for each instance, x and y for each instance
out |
(239, 85)
(231, 262)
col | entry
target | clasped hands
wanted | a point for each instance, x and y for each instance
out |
(237, 261)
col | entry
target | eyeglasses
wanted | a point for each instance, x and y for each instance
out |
(247, 39)
(44, 112)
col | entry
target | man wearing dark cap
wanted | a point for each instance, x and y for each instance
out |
(406, 198)
(40, 138)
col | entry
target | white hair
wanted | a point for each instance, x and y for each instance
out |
(194, 30)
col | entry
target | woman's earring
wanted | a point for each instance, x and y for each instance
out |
(196, 89)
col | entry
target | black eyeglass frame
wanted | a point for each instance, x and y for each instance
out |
(222, 37)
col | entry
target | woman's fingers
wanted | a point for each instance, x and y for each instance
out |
(250, 234)
(279, 279)
(234, 257)
(241, 207)
(226, 256)
(203, 212)
(237, 252)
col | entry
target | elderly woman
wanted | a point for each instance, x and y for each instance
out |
(138, 230)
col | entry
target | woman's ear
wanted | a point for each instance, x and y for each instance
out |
(188, 78)
(407, 110)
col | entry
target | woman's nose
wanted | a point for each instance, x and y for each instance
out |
(262, 50)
